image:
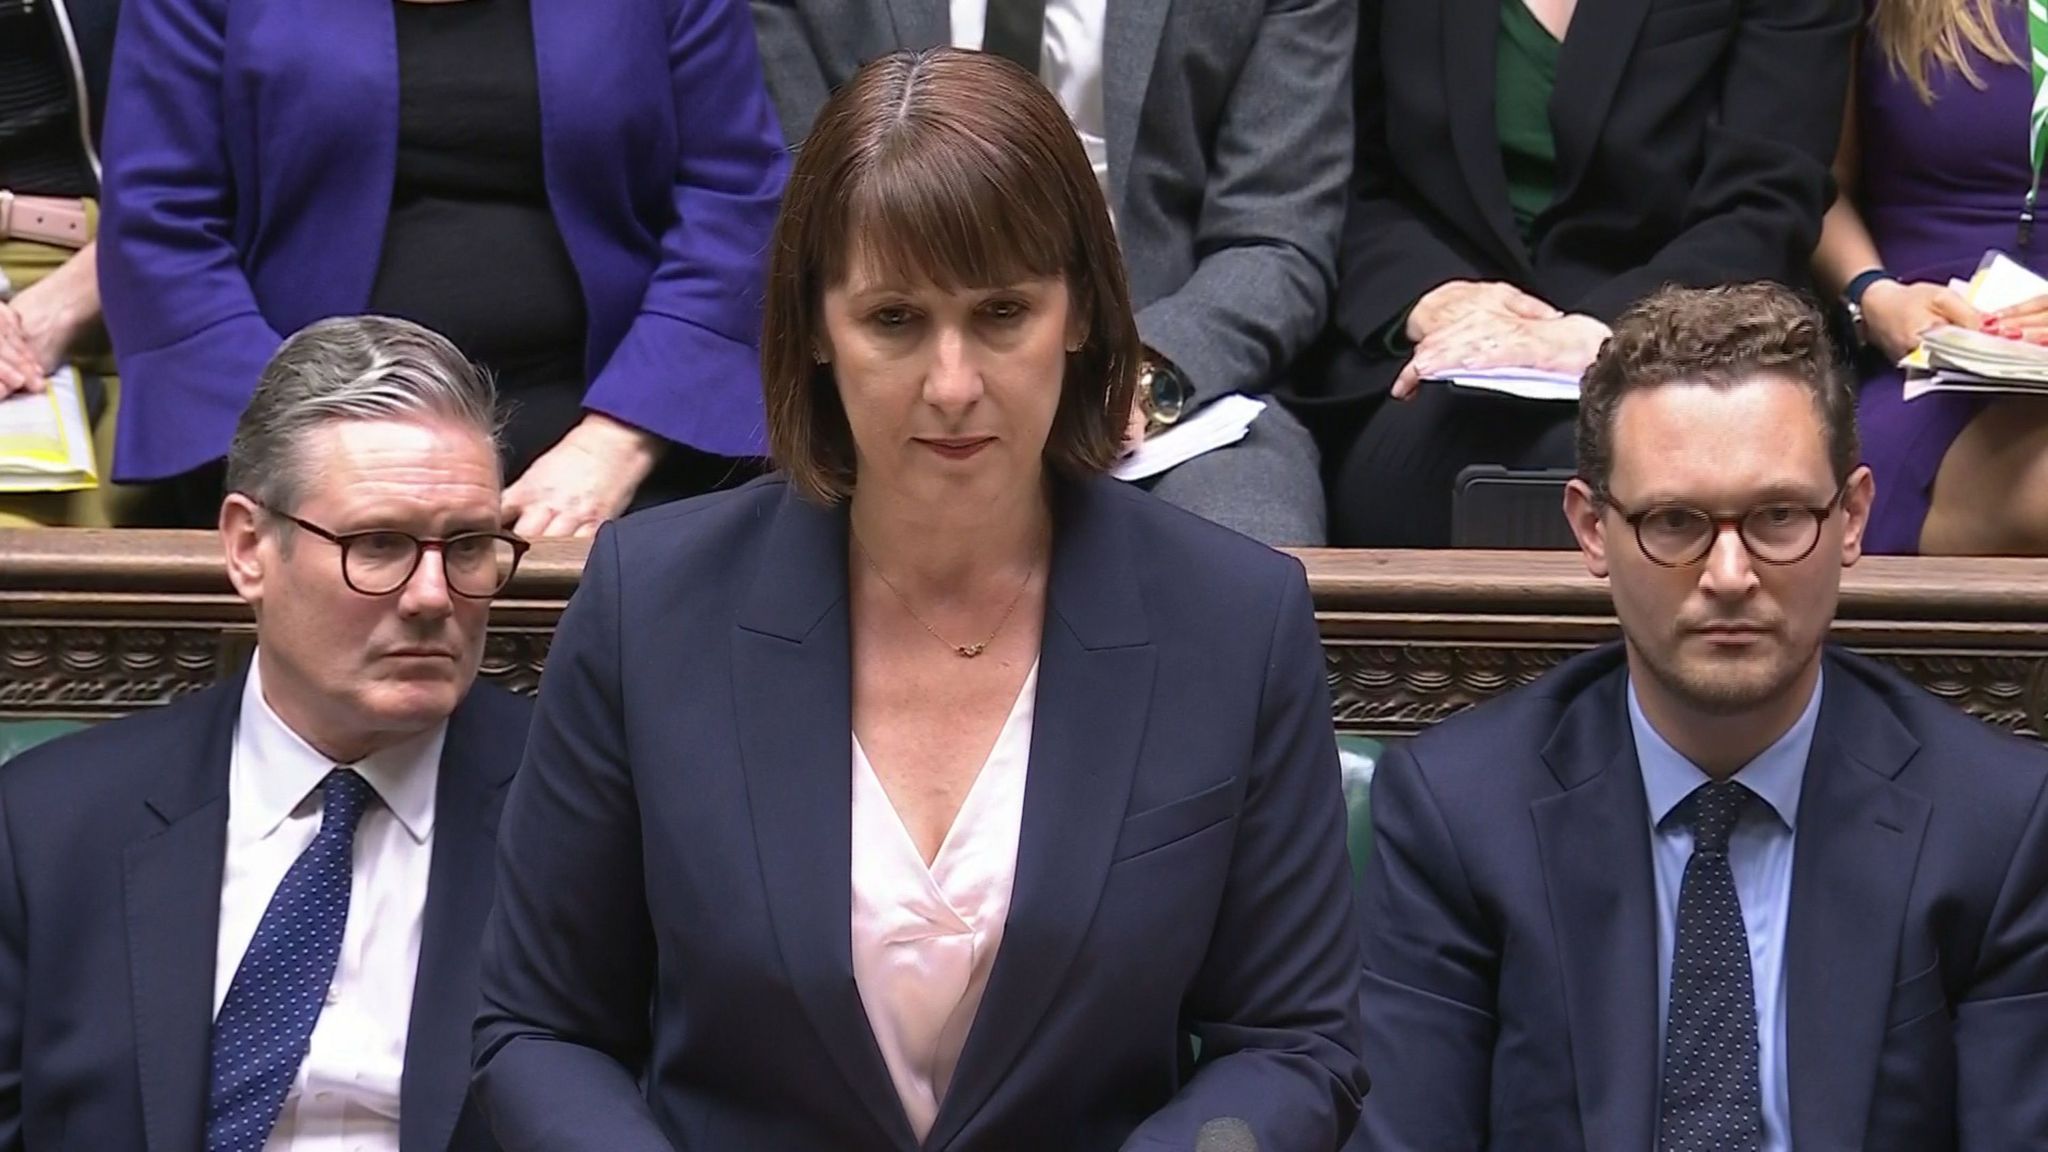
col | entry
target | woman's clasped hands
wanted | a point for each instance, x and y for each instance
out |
(1469, 324)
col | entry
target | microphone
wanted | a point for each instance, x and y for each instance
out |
(1226, 1134)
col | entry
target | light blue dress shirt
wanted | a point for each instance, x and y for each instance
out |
(1760, 856)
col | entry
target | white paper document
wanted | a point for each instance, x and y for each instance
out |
(1951, 359)
(1919, 385)
(1214, 425)
(2002, 282)
(1522, 383)
(45, 442)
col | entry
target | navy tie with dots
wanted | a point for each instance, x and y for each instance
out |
(1711, 1098)
(266, 1022)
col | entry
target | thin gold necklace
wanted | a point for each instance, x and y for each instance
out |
(965, 651)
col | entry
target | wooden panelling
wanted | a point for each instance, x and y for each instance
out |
(97, 623)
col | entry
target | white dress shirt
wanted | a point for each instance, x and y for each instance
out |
(1070, 63)
(924, 939)
(345, 1097)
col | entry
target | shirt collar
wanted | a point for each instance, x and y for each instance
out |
(1775, 775)
(282, 770)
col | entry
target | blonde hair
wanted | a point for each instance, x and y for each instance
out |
(1918, 37)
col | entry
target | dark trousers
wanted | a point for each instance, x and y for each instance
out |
(1393, 488)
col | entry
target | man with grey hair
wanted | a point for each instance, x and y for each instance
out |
(248, 921)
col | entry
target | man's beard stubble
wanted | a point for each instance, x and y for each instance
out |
(1725, 687)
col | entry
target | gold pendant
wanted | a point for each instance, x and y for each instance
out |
(970, 651)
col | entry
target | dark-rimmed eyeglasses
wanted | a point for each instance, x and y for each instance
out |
(1676, 535)
(378, 562)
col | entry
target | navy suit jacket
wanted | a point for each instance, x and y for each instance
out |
(1511, 941)
(674, 877)
(250, 152)
(112, 846)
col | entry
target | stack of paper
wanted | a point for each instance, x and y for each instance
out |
(1214, 425)
(45, 442)
(1953, 359)
(1960, 360)
(1523, 383)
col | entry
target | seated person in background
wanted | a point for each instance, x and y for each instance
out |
(1524, 173)
(1934, 170)
(249, 919)
(1721, 886)
(1221, 136)
(939, 792)
(577, 192)
(53, 77)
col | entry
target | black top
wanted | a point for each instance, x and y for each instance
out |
(42, 152)
(471, 249)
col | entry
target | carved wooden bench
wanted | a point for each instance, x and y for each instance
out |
(98, 623)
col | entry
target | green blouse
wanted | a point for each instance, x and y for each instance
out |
(1525, 71)
(1525, 74)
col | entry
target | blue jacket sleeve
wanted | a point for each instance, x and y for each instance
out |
(693, 352)
(2001, 1021)
(190, 338)
(568, 956)
(1428, 973)
(13, 987)
(1275, 1004)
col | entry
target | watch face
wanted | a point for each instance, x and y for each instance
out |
(1169, 394)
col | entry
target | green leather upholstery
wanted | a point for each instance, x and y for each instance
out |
(1358, 756)
(18, 736)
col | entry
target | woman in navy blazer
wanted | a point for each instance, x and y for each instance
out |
(938, 792)
(258, 152)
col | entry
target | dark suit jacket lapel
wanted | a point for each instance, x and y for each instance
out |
(1597, 49)
(1130, 45)
(1594, 838)
(172, 887)
(792, 689)
(1094, 687)
(1470, 31)
(1852, 870)
(476, 764)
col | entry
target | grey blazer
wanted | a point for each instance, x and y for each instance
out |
(1229, 124)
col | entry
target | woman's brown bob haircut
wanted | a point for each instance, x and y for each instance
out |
(960, 169)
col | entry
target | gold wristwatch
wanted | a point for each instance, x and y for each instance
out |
(1162, 393)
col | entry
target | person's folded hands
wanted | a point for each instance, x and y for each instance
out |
(588, 477)
(21, 369)
(39, 326)
(1896, 313)
(1455, 300)
(2027, 320)
(1490, 340)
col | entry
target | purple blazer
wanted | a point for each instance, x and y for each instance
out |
(249, 158)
